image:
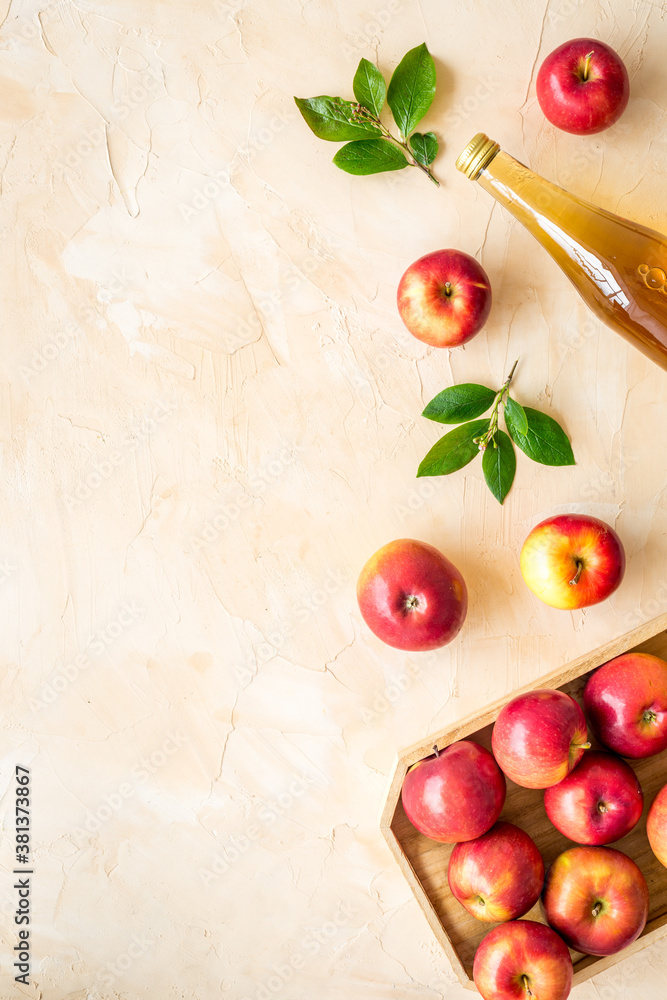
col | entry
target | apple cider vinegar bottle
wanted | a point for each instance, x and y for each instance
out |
(618, 266)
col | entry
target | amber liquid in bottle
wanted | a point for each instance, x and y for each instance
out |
(618, 266)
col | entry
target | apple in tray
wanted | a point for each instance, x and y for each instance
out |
(444, 298)
(455, 795)
(539, 737)
(596, 898)
(499, 876)
(520, 960)
(411, 596)
(656, 826)
(583, 86)
(626, 703)
(599, 802)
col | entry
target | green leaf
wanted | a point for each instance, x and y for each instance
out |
(499, 465)
(459, 403)
(517, 415)
(369, 87)
(546, 441)
(334, 119)
(369, 156)
(424, 147)
(454, 450)
(411, 88)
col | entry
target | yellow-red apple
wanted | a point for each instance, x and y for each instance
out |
(499, 876)
(412, 596)
(656, 826)
(455, 795)
(596, 898)
(539, 737)
(521, 960)
(444, 298)
(626, 703)
(572, 561)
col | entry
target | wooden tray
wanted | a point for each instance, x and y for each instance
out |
(424, 862)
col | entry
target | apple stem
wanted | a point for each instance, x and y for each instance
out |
(435, 750)
(649, 716)
(602, 808)
(575, 579)
(524, 980)
(596, 909)
(587, 64)
(581, 746)
(489, 437)
(448, 288)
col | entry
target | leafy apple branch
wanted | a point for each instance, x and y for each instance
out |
(538, 435)
(370, 148)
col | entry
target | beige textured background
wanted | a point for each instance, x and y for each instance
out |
(210, 419)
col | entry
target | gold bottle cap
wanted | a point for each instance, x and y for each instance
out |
(478, 154)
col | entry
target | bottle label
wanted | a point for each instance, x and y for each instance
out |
(654, 277)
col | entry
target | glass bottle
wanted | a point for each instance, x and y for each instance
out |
(618, 266)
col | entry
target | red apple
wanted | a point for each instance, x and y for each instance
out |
(572, 561)
(626, 702)
(539, 737)
(599, 802)
(656, 826)
(583, 86)
(499, 876)
(444, 298)
(596, 898)
(411, 596)
(456, 795)
(521, 960)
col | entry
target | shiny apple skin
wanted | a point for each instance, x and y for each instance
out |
(499, 876)
(583, 107)
(626, 703)
(538, 738)
(599, 802)
(455, 796)
(523, 948)
(582, 877)
(435, 317)
(549, 561)
(656, 826)
(404, 572)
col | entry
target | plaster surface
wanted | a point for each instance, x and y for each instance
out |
(211, 418)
